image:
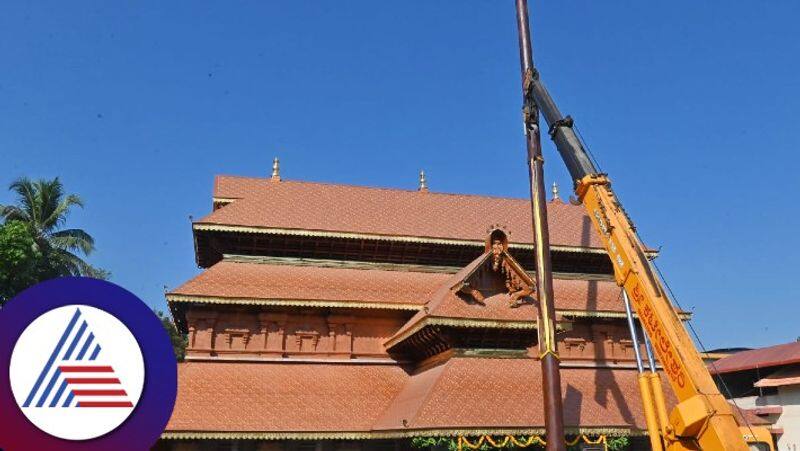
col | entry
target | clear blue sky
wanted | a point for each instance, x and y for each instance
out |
(690, 106)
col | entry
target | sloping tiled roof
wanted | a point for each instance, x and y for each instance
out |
(506, 393)
(282, 397)
(748, 417)
(237, 187)
(238, 280)
(463, 393)
(228, 279)
(389, 212)
(784, 354)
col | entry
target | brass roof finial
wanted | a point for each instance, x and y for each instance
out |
(555, 192)
(423, 182)
(276, 169)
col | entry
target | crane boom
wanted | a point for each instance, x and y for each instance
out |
(702, 419)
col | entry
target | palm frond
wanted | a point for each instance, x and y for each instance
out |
(72, 240)
(26, 192)
(58, 216)
(76, 266)
(14, 213)
(53, 207)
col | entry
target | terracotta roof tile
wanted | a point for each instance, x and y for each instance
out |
(748, 417)
(228, 279)
(390, 212)
(285, 397)
(783, 354)
(461, 393)
(506, 393)
(237, 187)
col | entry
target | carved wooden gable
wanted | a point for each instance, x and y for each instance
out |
(497, 273)
(488, 304)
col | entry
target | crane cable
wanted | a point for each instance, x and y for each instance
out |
(586, 146)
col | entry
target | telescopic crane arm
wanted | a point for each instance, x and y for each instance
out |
(702, 419)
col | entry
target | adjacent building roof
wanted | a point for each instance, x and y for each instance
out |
(292, 205)
(784, 354)
(781, 378)
(488, 394)
(241, 282)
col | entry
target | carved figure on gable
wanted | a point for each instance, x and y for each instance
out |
(483, 280)
(517, 288)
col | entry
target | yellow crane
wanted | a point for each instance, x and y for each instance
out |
(702, 419)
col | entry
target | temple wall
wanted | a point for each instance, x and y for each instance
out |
(601, 340)
(227, 332)
(233, 332)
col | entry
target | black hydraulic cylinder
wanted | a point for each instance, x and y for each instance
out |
(569, 146)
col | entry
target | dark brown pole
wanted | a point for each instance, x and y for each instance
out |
(551, 377)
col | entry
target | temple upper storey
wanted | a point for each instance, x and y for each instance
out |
(282, 218)
(301, 270)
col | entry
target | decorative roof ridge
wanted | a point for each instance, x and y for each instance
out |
(381, 188)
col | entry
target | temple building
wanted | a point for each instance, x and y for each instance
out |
(335, 317)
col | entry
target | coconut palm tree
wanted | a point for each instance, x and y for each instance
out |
(44, 207)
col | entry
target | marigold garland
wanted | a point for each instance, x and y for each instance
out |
(534, 439)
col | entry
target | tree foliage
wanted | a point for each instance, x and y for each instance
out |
(19, 258)
(42, 209)
(179, 340)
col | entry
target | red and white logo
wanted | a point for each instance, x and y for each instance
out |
(77, 372)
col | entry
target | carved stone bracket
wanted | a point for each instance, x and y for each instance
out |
(575, 344)
(232, 333)
(304, 337)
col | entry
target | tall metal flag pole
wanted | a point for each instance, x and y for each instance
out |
(551, 377)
